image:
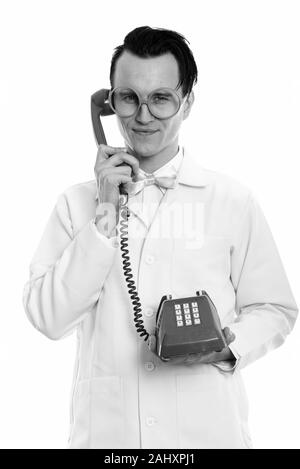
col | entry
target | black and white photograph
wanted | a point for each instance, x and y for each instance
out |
(150, 155)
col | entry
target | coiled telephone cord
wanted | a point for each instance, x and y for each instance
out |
(137, 307)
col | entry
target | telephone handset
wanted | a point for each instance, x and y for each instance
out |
(100, 107)
(183, 325)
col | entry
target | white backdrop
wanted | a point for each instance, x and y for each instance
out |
(245, 122)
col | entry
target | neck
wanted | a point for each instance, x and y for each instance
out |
(151, 163)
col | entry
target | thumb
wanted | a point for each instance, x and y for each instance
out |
(229, 336)
(152, 343)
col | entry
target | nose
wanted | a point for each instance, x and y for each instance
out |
(144, 115)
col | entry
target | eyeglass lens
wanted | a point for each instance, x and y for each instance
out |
(162, 103)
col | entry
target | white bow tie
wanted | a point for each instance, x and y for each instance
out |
(168, 182)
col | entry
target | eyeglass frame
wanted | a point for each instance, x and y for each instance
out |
(141, 102)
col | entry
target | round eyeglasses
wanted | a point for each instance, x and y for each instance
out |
(162, 103)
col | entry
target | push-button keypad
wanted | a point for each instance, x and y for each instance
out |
(187, 314)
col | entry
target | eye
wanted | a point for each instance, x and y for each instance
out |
(160, 98)
(129, 98)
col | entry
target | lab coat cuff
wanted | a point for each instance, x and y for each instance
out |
(234, 351)
(237, 347)
(229, 365)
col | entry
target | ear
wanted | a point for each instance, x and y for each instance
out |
(188, 104)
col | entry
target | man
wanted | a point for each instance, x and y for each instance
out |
(124, 395)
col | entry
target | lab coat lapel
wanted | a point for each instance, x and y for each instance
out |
(190, 174)
(135, 210)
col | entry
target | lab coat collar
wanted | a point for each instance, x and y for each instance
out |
(190, 173)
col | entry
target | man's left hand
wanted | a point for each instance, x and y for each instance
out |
(209, 357)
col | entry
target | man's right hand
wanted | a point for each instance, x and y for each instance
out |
(113, 167)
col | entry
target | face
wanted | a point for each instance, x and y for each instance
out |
(145, 135)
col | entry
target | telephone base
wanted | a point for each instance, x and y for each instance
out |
(188, 325)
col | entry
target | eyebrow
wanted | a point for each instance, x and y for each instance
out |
(165, 90)
(125, 90)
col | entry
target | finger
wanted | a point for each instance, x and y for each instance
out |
(190, 359)
(152, 343)
(112, 170)
(109, 150)
(117, 160)
(229, 335)
(118, 179)
(105, 151)
(184, 359)
(123, 157)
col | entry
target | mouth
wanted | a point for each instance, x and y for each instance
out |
(145, 133)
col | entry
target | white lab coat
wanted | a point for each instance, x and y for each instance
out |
(123, 395)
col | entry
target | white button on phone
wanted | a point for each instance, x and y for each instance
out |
(149, 366)
(149, 312)
(149, 259)
(150, 421)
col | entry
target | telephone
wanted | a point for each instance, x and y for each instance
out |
(183, 325)
(188, 325)
(100, 107)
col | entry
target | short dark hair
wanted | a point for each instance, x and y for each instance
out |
(152, 42)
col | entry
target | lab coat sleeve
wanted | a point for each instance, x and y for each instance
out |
(66, 273)
(265, 307)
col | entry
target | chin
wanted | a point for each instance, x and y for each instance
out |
(144, 150)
